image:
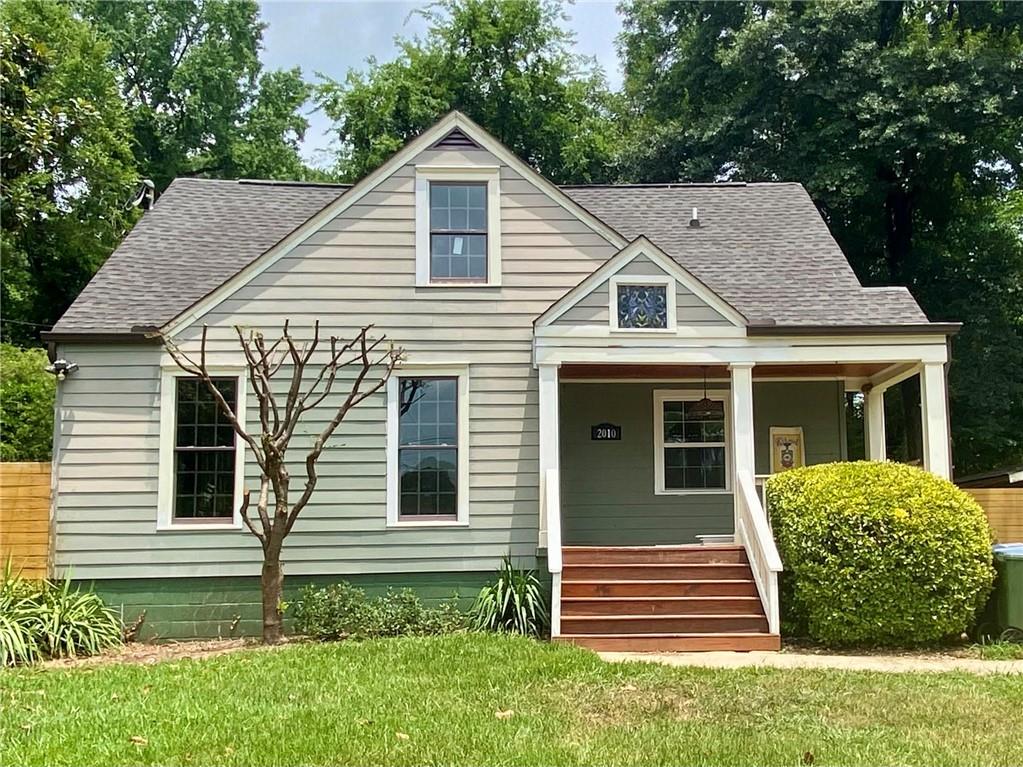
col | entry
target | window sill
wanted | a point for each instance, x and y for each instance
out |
(466, 284)
(414, 523)
(651, 331)
(195, 527)
(715, 491)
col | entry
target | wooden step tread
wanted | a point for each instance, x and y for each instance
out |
(667, 617)
(673, 547)
(655, 581)
(662, 599)
(695, 642)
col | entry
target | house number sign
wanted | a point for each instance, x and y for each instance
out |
(605, 431)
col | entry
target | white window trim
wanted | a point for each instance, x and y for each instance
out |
(491, 174)
(654, 279)
(168, 415)
(426, 370)
(689, 395)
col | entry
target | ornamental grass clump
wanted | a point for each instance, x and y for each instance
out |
(41, 619)
(513, 602)
(878, 554)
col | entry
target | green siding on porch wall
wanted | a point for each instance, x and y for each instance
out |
(607, 488)
(188, 608)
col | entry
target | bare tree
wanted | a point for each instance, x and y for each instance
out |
(371, 363)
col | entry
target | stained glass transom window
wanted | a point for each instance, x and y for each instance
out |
(642, 306)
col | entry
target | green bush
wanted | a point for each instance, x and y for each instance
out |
(343, 611)
(40, 619)
(26, 405)
(878, 554)
(513, 603)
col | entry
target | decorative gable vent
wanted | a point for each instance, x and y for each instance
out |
(456, 139)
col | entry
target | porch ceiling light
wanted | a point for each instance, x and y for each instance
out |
(706, 408)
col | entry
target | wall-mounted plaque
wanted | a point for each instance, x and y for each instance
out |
(787, 451)
(605, 431)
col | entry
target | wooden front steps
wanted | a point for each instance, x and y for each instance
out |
(661, 599)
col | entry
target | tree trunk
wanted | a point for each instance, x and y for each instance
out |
(272, 583)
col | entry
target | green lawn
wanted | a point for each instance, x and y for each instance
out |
(434, 701)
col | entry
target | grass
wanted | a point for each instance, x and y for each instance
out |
(445, 700)
(999, 650)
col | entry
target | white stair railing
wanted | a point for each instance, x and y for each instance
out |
(754, 533)
(551, 500)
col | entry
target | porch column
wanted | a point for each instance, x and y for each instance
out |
(873, 405)
(934, 412)
(549, 445)
(742, 419)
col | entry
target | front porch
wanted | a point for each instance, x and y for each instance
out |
(624, 513)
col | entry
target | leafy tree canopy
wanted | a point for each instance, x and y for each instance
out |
(199, 103)
(507, 64)
(26, 404)
(904, 120)
(66, 164)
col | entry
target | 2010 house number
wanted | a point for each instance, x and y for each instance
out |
(605, 431)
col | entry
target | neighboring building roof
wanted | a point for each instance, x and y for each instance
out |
(1010, 477)
(763, 247)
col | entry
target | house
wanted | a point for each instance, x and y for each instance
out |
(602, 366)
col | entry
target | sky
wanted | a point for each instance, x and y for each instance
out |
(334, 36)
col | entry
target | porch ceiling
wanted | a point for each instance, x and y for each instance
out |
(647, 372)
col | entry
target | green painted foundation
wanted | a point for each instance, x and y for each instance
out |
(191, 608)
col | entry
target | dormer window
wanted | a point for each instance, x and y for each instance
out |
(642, 303)
(458, 226)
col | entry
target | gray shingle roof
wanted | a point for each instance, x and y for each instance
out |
(200, 233)
(763, 247)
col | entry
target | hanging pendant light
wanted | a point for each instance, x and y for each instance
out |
(706, 409)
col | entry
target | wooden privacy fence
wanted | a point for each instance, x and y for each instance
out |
(1004, 508)
(25, 517)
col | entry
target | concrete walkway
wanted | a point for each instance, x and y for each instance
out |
(892, 663)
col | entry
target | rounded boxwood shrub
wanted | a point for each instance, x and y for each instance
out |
(878, 553)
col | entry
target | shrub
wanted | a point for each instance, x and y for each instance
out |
(513, 602)
(343, 611)
(878, 553)
(26, 405)
(41, 619)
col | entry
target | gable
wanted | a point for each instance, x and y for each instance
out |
(590, 303)
(387, 194)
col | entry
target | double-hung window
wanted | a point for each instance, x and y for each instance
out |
(200, 454)
(458, 226)
(428, 436)
(690, 442)
(458, 231)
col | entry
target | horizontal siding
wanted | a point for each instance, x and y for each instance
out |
(358, 269)
(607, 488)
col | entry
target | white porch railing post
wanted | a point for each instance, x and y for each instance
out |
(743, 452)
(550, 490)
(934, 413)
(873, 403)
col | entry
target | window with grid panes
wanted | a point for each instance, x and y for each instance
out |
(458, 232)
(204, 451)
(694, 446)
(428, 448)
